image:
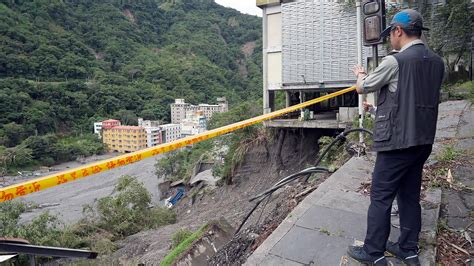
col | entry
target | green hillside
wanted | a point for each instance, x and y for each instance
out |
(66, 64)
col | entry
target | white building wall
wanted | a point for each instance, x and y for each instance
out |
(153, 136)
(192, 128)
(274, 59)
(171, 132)
(178, 112)
(98, 129)
(272, 48)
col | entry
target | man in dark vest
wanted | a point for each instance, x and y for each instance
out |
(408, 84)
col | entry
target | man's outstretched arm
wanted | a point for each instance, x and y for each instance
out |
(382, 75)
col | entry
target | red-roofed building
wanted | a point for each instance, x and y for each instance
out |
(110, 123)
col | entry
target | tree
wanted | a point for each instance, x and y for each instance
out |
(127, 117)
(14, 134)
(17, 156)
(42, 146)
(451, 30)
(40, 118)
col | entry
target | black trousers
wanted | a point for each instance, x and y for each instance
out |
(396, 173)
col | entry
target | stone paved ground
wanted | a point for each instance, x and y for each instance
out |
(457, 209)
(458, 132)
(320, 228)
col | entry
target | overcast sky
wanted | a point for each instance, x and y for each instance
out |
(244, 6)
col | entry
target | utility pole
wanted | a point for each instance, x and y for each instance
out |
(370, 20)
(359, 61)
(375, 55)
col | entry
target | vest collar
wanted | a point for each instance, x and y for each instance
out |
(410, 44)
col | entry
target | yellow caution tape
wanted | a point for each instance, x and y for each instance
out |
(35, 185)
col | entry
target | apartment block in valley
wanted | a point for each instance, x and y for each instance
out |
(153, 136)
(154, 133)
(171, 132)
(180, 108)
(124, 138)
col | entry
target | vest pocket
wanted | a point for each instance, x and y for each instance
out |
(382, 127)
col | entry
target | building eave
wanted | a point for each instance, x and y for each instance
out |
(266, 3)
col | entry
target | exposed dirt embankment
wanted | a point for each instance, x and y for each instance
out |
(264, 164)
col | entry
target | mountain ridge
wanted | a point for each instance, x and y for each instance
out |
(67, 64)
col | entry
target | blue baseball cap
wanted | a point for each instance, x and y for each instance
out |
(408, 19)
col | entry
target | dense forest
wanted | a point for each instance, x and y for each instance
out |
(66, 64)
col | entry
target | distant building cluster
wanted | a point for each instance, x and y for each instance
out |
(188, 120)
(181, 110)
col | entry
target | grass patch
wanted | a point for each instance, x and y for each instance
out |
(448, 154)
(439, 179)
(336, 156)
(461, 91)
(368, 123)
(180, 235)
(182, 247)
(443, 171)
(325, 231)
(441, 225)
(436, 183)
(469, 86)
